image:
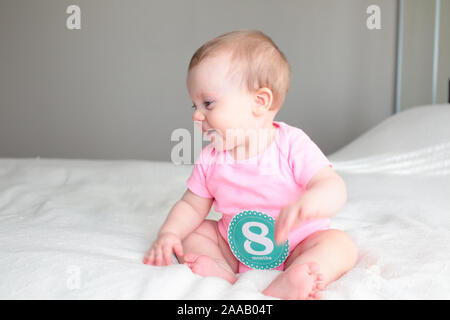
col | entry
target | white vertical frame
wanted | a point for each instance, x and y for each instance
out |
(435, 51)
(398, 80)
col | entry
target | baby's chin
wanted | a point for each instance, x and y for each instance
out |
(220, 144)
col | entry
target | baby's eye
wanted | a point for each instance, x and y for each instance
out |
(207, 103)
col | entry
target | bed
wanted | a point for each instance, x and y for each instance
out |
(78, 229)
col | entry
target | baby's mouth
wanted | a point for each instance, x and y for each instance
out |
(207, 132)
(210, 133)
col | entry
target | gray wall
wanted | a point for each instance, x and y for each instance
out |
(116, 88)
(418, 42)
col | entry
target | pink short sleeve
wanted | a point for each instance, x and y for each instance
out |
(197, 181)
(305, 157)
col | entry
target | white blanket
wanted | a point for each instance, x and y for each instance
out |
(76, 229)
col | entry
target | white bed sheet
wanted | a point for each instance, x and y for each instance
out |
(77, 229)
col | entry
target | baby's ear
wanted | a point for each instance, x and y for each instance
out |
(263, 100)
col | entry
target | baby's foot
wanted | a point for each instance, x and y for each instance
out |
(208, 267)
(297, 282)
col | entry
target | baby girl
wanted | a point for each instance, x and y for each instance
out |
(238, 82)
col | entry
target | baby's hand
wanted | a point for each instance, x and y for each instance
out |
(162, 248)
(296, 213)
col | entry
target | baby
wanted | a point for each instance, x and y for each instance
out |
(238, 82)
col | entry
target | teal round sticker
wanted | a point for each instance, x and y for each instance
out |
(251, 239)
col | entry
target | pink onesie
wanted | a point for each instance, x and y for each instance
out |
(273, 179)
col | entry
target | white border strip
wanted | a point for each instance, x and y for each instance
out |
(436, 51)
(398, 80)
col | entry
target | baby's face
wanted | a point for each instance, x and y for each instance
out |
(221, 103)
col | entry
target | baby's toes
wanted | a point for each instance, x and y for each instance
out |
(319, 282)
(190, 259)
(320, 286)
(318, 278)
(313, 268)
(315, 295)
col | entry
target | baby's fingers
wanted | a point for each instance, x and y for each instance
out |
(149, 257)
(158, 256)
(178, 248)
(167, 252)
(282, 227)
(279, 226)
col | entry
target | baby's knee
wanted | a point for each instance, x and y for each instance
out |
(206, 230)
(342, 243)
(346, 243)
(207, 227)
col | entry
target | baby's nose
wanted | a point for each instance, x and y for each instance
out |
(198, 116)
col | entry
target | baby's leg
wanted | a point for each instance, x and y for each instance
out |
(207, 253)
(318, 260)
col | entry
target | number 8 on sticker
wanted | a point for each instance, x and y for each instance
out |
(251, 239)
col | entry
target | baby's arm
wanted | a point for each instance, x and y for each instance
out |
(325, 196)
(328, 192)
(184, 217)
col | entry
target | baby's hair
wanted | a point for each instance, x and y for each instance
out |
(256, 56)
